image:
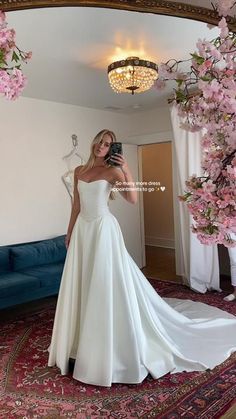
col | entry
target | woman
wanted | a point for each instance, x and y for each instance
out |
(108, 318)
(96, 168)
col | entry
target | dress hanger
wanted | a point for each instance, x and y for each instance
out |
(68, 177)
(74, 151)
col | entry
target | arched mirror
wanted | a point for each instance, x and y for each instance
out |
(73, 46)
(109, 325)
(68, 92)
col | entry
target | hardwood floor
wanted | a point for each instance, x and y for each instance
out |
(160, 264)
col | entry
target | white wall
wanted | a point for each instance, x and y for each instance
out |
(34, 135)
(150, 126)
(158, 204)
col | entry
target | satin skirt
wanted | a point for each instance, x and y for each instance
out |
(115, 325)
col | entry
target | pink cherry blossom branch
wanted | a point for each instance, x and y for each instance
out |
(211, 199)
(12, 80)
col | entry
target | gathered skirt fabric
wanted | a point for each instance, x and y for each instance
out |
(115, 325)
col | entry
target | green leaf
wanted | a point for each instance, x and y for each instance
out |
(211, 229)
(188, 196)
(15, 57)
(208, 212)
(1, 55)
(206, 78)
(199, 60)
(180, 96)
(3, 62)
(179, 82)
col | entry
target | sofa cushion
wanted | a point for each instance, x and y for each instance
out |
(47, 274)
(4, 260)
(38, 253)
(15, 283)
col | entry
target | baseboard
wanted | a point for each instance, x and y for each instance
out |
(160, 242)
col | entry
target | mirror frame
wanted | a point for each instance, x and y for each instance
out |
(161, 7)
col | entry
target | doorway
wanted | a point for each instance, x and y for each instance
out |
(156, 169)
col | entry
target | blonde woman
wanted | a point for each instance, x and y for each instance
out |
(96, 169)
(109, 319)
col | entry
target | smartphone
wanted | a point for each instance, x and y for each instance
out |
(114, 148)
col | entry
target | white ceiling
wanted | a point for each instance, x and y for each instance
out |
(73, 46)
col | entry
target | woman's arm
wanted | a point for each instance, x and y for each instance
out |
(124, 180)
(75, 208)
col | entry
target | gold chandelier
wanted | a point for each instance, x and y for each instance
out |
(132, 75)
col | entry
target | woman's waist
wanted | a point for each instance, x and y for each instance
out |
(92, 213)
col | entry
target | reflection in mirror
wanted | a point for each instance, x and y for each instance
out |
(72, 53)
(69, 70)
(68, 91)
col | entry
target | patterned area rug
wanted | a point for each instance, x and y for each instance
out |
(30, 389)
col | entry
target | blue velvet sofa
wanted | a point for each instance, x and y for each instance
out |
(30, 271)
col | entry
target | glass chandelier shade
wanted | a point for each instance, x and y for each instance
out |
(132, 75)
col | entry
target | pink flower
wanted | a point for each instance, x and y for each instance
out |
(208, 186)
(12, 85)
(202, 46)
(167, 72)
(27, 56)
(211, 199)
(224, 28)
(203, 68)
(215, 53)
(12, 80)
(2, 17)
(222, 204)
(159, 84)
(224, 6)
(7, 39)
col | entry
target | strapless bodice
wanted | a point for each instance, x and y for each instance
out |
(94, 198)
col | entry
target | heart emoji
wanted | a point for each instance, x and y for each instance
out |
(163, 188)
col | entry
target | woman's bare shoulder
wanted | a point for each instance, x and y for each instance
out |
(78, 170)
(116, 174)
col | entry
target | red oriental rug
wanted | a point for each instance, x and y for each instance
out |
(30, 389)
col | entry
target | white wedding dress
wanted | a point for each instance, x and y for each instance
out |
(111, 320)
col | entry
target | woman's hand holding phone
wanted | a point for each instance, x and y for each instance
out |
(116, 160)
(115, 157)
(114, 151)
(124, 177)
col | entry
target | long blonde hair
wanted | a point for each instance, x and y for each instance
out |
(90, 163)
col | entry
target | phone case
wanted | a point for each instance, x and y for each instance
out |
(114, 148)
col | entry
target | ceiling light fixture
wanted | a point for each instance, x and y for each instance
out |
(132, 75)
